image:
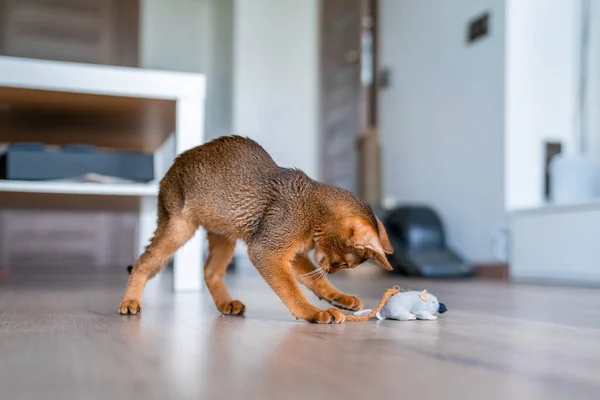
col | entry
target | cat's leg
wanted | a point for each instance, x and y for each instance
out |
(307, 274)
(171, 233)
(275, 267)
(220, 252)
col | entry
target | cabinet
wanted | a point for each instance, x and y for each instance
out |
(87, 31)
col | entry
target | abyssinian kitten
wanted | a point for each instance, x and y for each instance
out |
(233, 188)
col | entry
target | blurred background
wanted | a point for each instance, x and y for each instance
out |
(475, 124)
(471, 126)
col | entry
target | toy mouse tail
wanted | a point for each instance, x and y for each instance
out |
(371, 313)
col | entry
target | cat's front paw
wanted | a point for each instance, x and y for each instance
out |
(329, 316)
(234, 307)
(130, 307)
(346, 302)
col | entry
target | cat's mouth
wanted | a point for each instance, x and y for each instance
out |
(332, 270)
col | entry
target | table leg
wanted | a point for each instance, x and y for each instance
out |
(189, 133)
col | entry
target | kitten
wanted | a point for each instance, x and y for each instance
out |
(234, 189)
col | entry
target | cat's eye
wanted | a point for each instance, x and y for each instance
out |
(344, 265)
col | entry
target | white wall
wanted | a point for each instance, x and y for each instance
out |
(219, 106)
(174, 35)
(542, 69)
(593, 94)
(442, 120)
(194, 36)
(276, 78)
(261, 60)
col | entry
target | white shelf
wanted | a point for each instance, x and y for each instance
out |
(559, 208)
(149, 106)
(131, 189)
(100, 79)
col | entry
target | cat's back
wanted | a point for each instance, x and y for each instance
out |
(222, 172)
(225, 185)
(228, 153)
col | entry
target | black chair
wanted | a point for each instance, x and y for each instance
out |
(420, 249)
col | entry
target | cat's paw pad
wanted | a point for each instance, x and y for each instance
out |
(329, 316)
(234, 307)
(346, 302)
(412, 317)
(130, 307)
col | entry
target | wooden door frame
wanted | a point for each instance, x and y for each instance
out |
(369, 17)
(367, 141)
(368, 146)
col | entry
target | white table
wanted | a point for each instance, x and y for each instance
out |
(149, 106)
(556, 243)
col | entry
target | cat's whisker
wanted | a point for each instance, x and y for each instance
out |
(306, 276)
(322, 275)
(314, 278)
(311, 273)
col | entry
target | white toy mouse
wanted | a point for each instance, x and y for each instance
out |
(408, 306)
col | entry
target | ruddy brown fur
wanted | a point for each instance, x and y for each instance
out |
(235, 191)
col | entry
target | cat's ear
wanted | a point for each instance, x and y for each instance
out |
(362, 235)
(383, 238)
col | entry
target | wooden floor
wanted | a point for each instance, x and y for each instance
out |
(60, 338)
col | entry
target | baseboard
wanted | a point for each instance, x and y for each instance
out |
(492, 270)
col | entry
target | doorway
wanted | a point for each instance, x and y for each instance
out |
(348, 65)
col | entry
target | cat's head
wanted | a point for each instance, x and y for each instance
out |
(350, 241)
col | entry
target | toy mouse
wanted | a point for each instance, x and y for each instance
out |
(408, 306)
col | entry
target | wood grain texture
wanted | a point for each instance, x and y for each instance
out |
(60, 338)
(340, 91)
(88, 31)
(60, 118)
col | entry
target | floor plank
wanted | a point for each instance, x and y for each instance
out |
(60, 337)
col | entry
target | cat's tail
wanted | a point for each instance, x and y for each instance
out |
(172, 232)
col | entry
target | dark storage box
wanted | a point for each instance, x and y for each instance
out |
(32, 162)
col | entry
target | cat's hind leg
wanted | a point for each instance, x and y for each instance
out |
(220, 252)
(171, 233)
(307, 274)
